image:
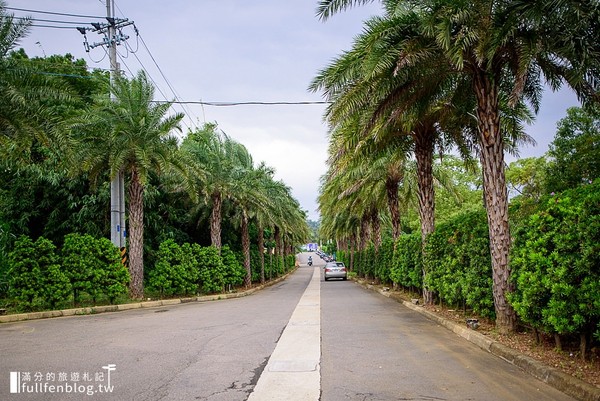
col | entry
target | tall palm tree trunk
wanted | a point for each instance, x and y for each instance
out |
(278, 247)
(376, 230)
(136, 237)
(364, 232)
(215, 220)
(496, 197)
(352, 249)
(261, 253)
(287, 250)
(391, 189)
(426, 195)
(246, 249)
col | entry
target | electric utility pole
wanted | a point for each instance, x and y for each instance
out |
(113, 37)
(118, 230)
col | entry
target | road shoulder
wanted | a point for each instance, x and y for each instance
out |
(561, 381)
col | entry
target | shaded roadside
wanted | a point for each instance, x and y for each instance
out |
(561, 381)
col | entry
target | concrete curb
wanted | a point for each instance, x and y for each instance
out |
(19, 317)
(559, 380)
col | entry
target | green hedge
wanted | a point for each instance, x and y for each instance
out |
(176, 270)
(234, 272)
(384, 261)
(93, 266)
(40, 276)
(556, 264)
(36, 279)
(458, 256)
(457, 253)
(36, 275)
(188, 269)
(407, 261)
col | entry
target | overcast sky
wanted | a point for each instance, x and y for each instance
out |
(239, 51)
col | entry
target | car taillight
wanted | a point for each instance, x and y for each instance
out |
(327, 270)
(343, 269)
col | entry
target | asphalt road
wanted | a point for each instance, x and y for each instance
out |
(211, 351)
(372, 348)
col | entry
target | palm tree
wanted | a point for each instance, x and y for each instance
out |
(506, 47)
(368, 163)
(265, 215)
(132, 134)
(391, 98)
(288, 220)
(26, 112)
(252, 203)
(512, 45)
(218, 158)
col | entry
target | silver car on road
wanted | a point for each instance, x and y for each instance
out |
(335, 270)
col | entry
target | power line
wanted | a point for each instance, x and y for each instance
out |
(177, 97)
(219, 104)
(86, 67)
(249, 103)
(186, 111)
(56, 74)
(172, 89)
(148, 75)
(49, 20)
(54, 13)
(52, 26)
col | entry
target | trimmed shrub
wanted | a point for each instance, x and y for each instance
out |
(93, 266)
(384, 262)
(458, 254)
(176, 269)
(290, 262)
(36, 279)
(211, 270)
(556, 264)
(255, 264)
(233, 270)
(406, 268)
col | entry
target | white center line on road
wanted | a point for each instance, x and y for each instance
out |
(293, 372)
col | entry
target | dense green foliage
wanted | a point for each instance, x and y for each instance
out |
(42, 277)
(233, 271)
(93, 266)
(458, 256)
(176, 271)
(86, 269)
(36, 279)
(211, 270)
(556, 262)
(457, 253)
(406, 267)
(189, 269)
(384, 258)
(575, 152)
